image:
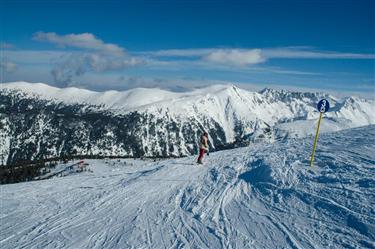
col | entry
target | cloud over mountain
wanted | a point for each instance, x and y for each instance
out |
(235, 56)
(8, 66)
(77, 64)
(85, 59)
(82, 41)
(93, 55)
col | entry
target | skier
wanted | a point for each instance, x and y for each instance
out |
(203, 147)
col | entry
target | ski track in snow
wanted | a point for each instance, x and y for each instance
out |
(262, 196)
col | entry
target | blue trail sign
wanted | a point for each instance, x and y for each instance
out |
(323, 106)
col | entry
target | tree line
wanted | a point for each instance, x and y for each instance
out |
(22, 171)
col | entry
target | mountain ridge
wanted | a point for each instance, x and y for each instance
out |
(155, 122)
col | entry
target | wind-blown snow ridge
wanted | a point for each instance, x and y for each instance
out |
(263, 196)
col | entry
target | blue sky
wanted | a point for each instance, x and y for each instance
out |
(312, 44)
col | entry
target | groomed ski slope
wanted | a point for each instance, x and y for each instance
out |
(262, 196)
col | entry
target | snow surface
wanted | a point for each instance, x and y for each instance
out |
(262, 196)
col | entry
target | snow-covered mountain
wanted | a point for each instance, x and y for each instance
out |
(262, 196)
(43, 121)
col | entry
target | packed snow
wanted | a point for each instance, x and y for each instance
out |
(262, 196)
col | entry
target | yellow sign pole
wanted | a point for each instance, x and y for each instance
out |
(316, 139)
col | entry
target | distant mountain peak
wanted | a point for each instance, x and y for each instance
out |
(155, 122)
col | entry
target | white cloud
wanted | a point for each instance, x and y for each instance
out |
(310, 53)
(34, 56)
(235, 57)
(66, 66)
(8, 66)
(254, 56)
(93, 55)
(6, 45)
(180, 52)
(83, 41)
(77, 64)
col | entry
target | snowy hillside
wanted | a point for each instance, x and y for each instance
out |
(262, 196)
(269, 105)
(41, 121)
